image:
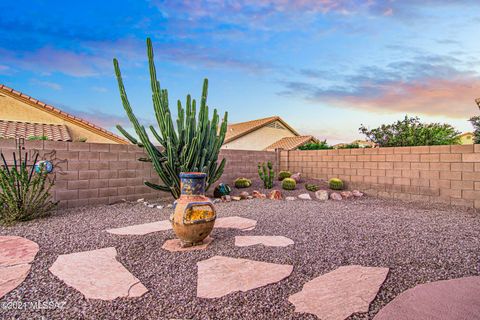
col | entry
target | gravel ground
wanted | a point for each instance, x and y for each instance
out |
(418, 242)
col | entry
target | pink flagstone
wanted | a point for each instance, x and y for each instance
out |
(338, 294)
(235, 223)
(269, 241)
(16, 254)
(174, 245)
(440, 300)
(219, 276)
(97, 274)
(142, 229)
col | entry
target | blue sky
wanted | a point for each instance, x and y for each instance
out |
(325, 66)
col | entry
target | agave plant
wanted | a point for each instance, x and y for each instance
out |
(192, 145)
(24, 193)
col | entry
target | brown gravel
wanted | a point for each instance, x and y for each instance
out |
(418, 242)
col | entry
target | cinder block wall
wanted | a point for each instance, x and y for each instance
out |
(94, 173)
(447, 174)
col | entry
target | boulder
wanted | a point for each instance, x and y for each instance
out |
(275, 195)
(322, 195)
(335, 196)
(290, 198)
(258, 195)
(249, 197)
(297, 177)
(346, 194)
(357, 193)
(304, 196)
(234, 198)
(244, 195)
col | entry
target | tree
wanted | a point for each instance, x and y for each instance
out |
(411, 132)
(321, 145)
(476, 125)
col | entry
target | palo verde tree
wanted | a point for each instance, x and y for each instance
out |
(190, 144)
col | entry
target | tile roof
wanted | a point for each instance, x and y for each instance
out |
(237, 130)
(290, 143)
(61, 114)
(16, 129)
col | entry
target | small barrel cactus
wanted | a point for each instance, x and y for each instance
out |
(221, 190)
(288, 184)
(311, 187)
(284, 174)
(243, 183)
(335, 184)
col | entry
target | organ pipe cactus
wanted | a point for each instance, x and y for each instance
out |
(190, 144)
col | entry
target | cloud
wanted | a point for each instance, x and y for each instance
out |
(48, 84)
(432, 85)
(99, 89)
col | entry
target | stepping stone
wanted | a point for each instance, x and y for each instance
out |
(440, 300)
(338, 294)
(219, 276)
(240, 223)
(16, 254)
(97, 274)
(268, 241)
(174, 245)
(142, 229)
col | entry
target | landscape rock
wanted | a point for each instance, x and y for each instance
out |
(219, 276)
(346, 194)
(16, 254)
(258, 195)
(244, 195)
(226, 198)
(159, 207)
(142, 229)
(216, 200)
(339, 293)
(175, 245)
(235, 198)
(97, 274)
(275, 195)
(235, 223)
(304, 196)
(268, 241)
(290, 198)
(297, 177)
(357, 193)
(169, 206)
(250, 197)
(335, 196)
(141, 200)
(322, 195)
(151, 206)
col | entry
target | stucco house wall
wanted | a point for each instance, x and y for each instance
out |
(259, 139)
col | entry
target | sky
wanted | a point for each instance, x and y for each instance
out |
(325, 66)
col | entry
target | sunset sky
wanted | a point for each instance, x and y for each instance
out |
(325, 66)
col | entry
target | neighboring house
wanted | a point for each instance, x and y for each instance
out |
(466, 138)
(22, 116)
(263, 134)
(361, 144)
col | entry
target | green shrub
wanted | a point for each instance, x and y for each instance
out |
(335, 184)
(411, 132)
(475, 121)
(243, 183)
(34, 138)
(311, 187)
(316, 146)
(284, 174)
(24, 193)
(288, 184)
(221, 190)
(266, 173)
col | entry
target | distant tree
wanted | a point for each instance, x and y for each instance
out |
(321, 145)
(476, 125)
(411, 132)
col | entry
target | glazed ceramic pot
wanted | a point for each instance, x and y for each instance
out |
(194, 214)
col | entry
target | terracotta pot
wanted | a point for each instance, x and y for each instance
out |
(194, 214)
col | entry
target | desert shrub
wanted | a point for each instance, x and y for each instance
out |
(243, 183)
(411, 132)
(24, 192)
(475, 121)
(288, 184)
(335, 184)
(266, 173)
(311, 187)
(321, 145)
(284, 174)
